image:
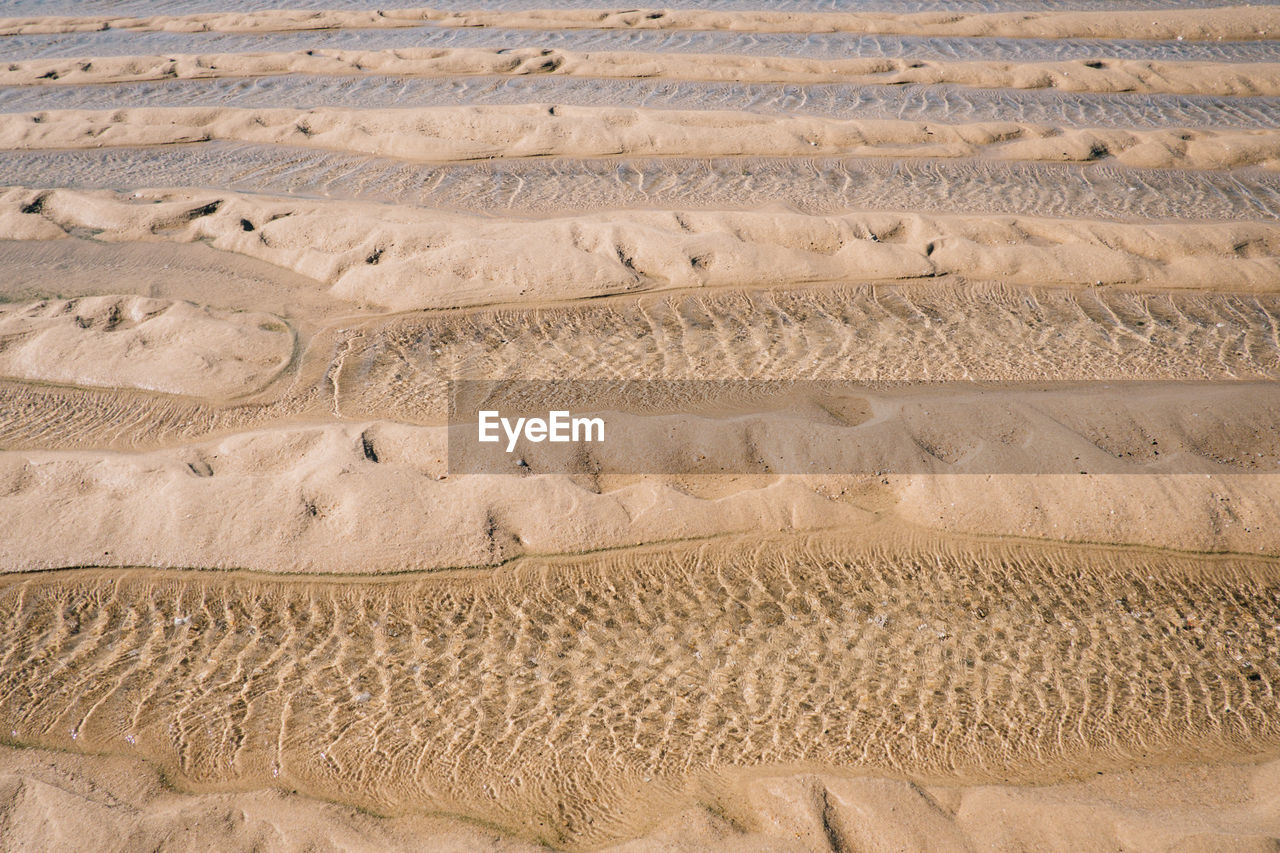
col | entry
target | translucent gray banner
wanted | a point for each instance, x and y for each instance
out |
(522, 427)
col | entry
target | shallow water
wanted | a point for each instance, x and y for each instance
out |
(809, 45)
(924, 103)
(565, 185)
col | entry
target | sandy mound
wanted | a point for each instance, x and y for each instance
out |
(1085, 75)
(149, 344)
(60, 802)
(481, 133)
(365, 498)
(406, 258)
(1238, 23)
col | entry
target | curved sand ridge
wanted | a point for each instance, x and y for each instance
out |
(409, 258)
(1230, 23)
(1085, 75)
(441, 134)
(375, 497)
(121, 803)
(927, 658)
(149, 344)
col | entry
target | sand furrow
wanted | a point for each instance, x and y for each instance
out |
(535, 187)
(1081, 75)
(398, 368)
(813, 46)
(948, 104)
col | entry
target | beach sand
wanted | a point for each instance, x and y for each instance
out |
(988, 562)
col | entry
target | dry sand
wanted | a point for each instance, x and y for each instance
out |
(1224, 79)
(1010, 585)
(445, 134)
(1230, 23)
(411, 258)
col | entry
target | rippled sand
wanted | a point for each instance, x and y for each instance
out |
(571, 699)
(962, 321)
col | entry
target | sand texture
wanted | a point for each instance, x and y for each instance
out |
(1086, 75)
(1234, 23)
(939, 345)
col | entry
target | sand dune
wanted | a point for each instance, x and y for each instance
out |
(1232, 23)
(1086, 75)
(336, 497)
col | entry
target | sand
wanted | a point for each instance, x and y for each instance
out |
(406, 258)
(1225, 79)
(446, 134)
(1240, 23)
(942, 518)
(135, 342)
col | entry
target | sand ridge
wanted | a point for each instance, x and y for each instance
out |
(1085, 75)
(443, 134)
(1229, 23)
(120, 804)
(406, 258)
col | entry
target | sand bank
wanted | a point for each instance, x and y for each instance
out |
(147, 344)
(1228, 23)
(443, 134)
(1091, 75)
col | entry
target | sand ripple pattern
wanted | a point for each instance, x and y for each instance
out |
(828, 185)
(398, 369)
(809, 45)
(556, 697)
(909, 102)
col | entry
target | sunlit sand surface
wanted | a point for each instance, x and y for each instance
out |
(988, 562)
